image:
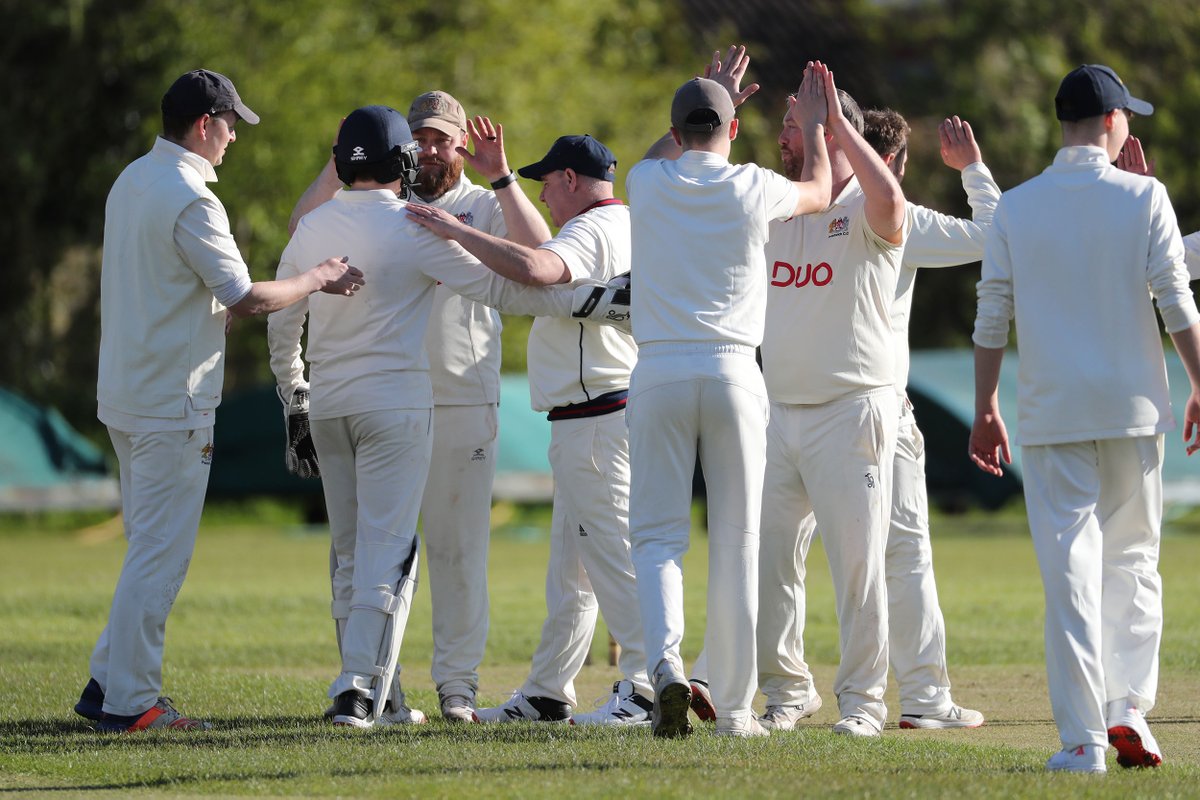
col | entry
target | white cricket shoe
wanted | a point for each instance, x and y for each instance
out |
(1084, 758)
(520, 708)
(457, 708)
(784, 718)
(1129, 733)
(855, 725)
(742, 728)
(672, 699)
(953, 717)
(623, 707)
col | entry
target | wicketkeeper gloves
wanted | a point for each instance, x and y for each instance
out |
(300, 455)
(606, 302)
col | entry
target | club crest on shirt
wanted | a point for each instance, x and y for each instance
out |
(839, 227)
(206, 454)
(466, 218)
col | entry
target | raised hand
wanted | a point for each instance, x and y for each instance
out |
(729, 73)
(1133, 159)
(959, 148)
(809, 107)
(488, 140)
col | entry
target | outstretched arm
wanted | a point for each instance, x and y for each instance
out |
(884, 200)
(728, 73)
(525, 225)
(808, 110)
(321, 190)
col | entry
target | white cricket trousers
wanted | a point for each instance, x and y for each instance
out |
(707, 399)
(1095, 511)
(373, 470)
(164, 476)
(590, 562)
(917, 630)
(455, 525)
(834, 461)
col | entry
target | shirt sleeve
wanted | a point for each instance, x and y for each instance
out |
(780, 196)
(205, 244)
(1166, 271)
(1191, 254)
(940, 240)
(994, 312)
(284, 328)
(580, 244)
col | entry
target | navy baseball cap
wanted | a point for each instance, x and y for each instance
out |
(203, 91)
(583, 154)
(372, 134)
(701, 104)
(1092, 90)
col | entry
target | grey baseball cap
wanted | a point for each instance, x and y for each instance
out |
(440, 111)
(701, 105)
(203, 91)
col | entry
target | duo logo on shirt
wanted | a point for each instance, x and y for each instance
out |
(784, 274)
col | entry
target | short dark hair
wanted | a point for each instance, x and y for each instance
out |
(886, 131)
(691, 139)
(175, 128)
(850, 110)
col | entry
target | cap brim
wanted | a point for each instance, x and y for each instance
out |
(1139, 107)
(445, 126)
(249, 116)
(534, 172)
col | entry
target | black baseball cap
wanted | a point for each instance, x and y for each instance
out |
(203, 91)
(1092, 90)
(583, 154)
(701, 105)
(372, 134)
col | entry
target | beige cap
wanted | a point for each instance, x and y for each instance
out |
(440, 111)
(701, 104)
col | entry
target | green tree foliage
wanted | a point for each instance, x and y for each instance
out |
(82, 81)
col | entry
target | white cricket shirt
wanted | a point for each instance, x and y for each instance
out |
(939, 240)
(167, 249)
(365, 351)
(1070, 255)
(571, 361)
(829, 304)
(699, 226)
(463, 338)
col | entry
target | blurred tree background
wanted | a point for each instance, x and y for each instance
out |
(82, 80)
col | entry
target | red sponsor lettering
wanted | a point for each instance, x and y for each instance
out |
(784, 274)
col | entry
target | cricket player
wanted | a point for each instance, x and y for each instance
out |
(1074, 256)
(371, 397)
(916, 639)
(828, 360)
(578, 376)
(170, 272)
(699, 227)
(463, 346)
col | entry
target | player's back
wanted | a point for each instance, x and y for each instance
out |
(699, 226)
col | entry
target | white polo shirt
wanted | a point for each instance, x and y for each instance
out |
(168, 257)
(571, 361)
(366, 351)
(1070, 254)
(829, 304)
(940, 240)
(699, 226)
(463, 338)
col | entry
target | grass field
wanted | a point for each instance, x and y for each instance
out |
(250, 647)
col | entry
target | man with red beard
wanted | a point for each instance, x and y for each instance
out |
(463, 346)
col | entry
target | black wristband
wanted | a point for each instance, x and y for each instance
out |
(505, 181)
